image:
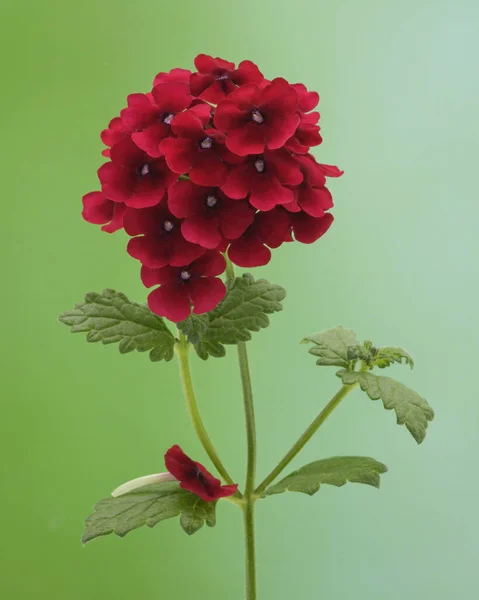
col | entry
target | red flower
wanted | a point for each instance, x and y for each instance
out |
(181, 288)
(133, 177)
(311, 195)
(217, 77)
(160, 241)
(255, 118)
(209, 216)
(307, 134)
(269, 229)
(194, 477)
(114, 133)
(197, 150)
(308, 229)
(264, 177)
(179, 75)
(149, 117)
(97, 209)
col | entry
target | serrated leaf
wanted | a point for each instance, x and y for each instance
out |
(244, 309)
(110, 317)
(332, 346)
(384, 357)
(332, 471)
(148, 506)
(411, 409)
(194, 327)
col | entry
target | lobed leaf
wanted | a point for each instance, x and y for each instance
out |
(110, 317)
(411, 409)
(332, 471)
(332, 346)
(148, 506)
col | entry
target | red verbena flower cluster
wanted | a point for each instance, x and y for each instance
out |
(206, 163)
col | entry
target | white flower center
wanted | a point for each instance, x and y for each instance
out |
(257, 116)
(168, 119)
(185, 275)
(145, 169)
(211, 201)
(168, 225)
(259, 165)
(206, 143)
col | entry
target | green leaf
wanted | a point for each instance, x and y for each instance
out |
(333, 471)
(411, 409)
(332, 346)
(388, 355)
(194, 327)
(244, 309)
(148, 506)
(110, 317)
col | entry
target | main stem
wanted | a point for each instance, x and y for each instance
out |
(182, 350)
(249, 497)
(304, 439)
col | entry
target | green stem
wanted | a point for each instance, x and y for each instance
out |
(249, 498)
(182, 350)
(250, 552)
(304, 439)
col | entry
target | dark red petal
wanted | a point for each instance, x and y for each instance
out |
(277, 136)
(206, 293)
(279, 96)
(151, 252)
(145, 194)
(179, 464)
(201, 231)
(116, 183)
(231, 114)
(249, 252)
(330, 170)
(274, 227)
(172, 97)
(250, 139)
(286, 168)
(268, 193)
(209, 265)
(97, 209)
(308, 229)
(207, 64)
(235, 219)
(182, 252)
(170, 300)
(179, 153)
(149, 139)
(185, 199)
(208, 170)
(116, 222)
(307, 100)
(247, 72)
(315, 201)
(236, 185)
(116, 130)
(151, 277)
(182, 75)
(188, 124)
(200, 83)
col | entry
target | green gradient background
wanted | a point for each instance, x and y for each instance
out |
(399, 86)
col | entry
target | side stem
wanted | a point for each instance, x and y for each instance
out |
(304, 439)
(182, 350)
